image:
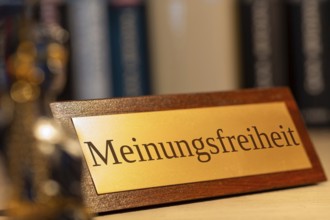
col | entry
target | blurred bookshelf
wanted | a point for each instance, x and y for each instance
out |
(143, 47)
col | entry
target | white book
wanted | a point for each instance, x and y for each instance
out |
(194, 45)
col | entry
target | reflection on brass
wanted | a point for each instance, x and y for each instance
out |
(22, 92)
(44, 161)
(161, 148)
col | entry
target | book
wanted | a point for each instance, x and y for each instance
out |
(263, 32)
(10, 12)
(63, 19)
(129, 48)
(10, 8)
(3, 80)
(3, 87)
(309, 46)
(88, 25)
(193, 45)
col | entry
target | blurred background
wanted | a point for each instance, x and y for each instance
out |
(120, 48)
(143, 47)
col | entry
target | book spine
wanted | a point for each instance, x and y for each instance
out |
(309, 46)
(263, 41)
(10, 8)
(129, 52)
(62, 17)
(9, 13)
(89, 40)
(3, 83)
(11, 3)
(3, 87)
(194, 46)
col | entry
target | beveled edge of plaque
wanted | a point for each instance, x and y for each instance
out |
(64, 111)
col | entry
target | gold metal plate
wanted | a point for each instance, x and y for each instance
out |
(151, 149)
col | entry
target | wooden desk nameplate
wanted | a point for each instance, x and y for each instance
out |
(154, 150)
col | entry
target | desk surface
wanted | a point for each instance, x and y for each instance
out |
(309, 202)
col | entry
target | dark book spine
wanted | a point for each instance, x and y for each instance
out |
(128, 47)
(309, 54)
(3, 83)
(263, 34)
(10, 7)
(67, 92)
(3, 87)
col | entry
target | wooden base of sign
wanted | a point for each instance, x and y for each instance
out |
(157, 195)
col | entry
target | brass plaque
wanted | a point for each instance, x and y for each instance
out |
(151, 149)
